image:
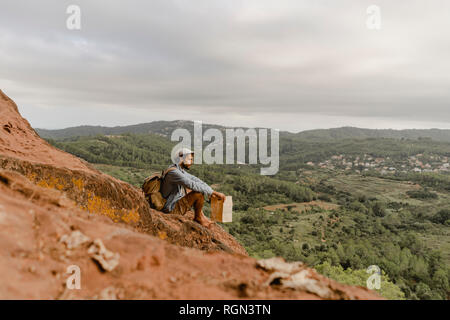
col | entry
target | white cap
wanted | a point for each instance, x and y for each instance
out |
(181, 154)
(184, 152)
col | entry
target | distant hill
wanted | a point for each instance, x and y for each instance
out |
(360, 133)
(165, 128)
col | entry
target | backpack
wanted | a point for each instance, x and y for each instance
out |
(151, 188)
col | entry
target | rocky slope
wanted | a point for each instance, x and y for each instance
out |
(56, 211)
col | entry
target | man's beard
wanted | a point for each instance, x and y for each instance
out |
(184, 166)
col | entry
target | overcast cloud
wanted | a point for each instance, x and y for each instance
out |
(292, 65)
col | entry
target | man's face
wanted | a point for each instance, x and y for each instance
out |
(188, 161)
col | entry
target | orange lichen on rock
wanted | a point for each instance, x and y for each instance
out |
(162, 235)
(46, 182)
(78, 184)
(51, 182)
(101, 206)
(130, 216)
(98, 205)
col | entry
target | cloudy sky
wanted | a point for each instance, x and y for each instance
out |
(292, 65)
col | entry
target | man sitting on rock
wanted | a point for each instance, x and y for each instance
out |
(175, 183)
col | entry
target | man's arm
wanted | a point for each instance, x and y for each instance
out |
(194, 178)
(187, 181)
(214, 193)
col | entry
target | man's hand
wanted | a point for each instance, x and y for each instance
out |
(218, 195)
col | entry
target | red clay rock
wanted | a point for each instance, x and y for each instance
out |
(23, 151)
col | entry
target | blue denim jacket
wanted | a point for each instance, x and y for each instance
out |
(174, 184)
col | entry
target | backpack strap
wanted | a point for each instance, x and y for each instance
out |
(165, 172)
